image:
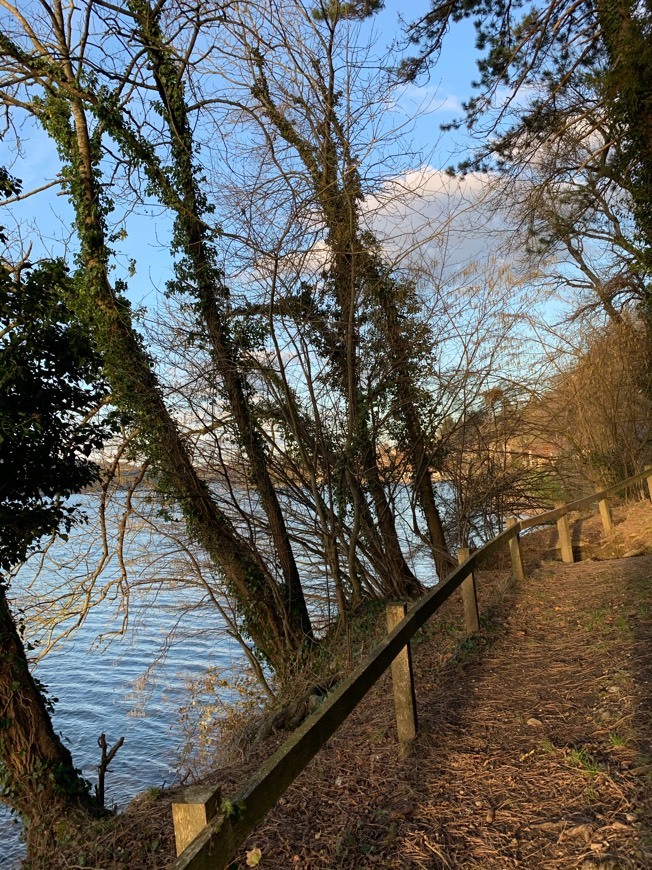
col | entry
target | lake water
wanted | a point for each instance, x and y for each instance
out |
(100, 691)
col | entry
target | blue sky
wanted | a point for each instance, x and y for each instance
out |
(449, 82)
(48, 215)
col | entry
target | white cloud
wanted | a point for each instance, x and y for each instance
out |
(428, 213)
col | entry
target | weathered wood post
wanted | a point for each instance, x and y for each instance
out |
(471, 617)
(518, 568)
(564, 535)
(403, 682)
(195, 808)
(605, 513)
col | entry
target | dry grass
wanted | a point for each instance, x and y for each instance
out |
(534, 747)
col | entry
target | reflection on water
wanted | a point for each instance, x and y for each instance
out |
(98, 693)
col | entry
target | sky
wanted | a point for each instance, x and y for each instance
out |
(45, 219)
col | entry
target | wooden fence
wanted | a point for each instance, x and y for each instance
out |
(209, 832)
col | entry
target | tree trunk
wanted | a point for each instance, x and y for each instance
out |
(277, 632)
(422, 482)
(339, 205)
(191, 234)
(423, 487)
(38, 778)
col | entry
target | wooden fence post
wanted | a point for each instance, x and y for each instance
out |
(403, 682)
(605, 513)
(195, 808)
(564, 535)
(518, 569)
(471, 618)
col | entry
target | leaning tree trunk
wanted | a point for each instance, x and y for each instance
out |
(339, 209)
(277, 631)
(37, 774)
(398, 580)
(422, 483)
(192, 237)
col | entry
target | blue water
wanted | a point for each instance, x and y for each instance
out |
(101, 689)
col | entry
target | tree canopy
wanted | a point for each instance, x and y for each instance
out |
(51, 393)
(552, 70)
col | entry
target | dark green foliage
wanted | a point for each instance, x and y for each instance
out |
(626, 86)
(50, 381)
(51, 389)
(9, 186)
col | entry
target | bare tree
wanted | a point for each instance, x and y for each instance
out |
(302, 98)
(597, 410)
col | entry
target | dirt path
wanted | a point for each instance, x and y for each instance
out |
(535, 742)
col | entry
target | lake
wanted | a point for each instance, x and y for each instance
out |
(103, 690)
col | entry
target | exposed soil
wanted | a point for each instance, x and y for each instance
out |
(535, 740)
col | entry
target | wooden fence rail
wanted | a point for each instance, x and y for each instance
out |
(219, 831)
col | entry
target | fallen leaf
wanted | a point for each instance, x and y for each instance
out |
(583, 831)
(253, 857)
(548, 826)
(617, 826)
